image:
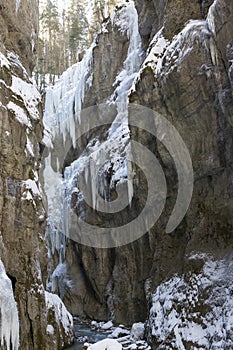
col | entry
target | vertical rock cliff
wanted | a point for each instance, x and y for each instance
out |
(31, 318)
(179, 282)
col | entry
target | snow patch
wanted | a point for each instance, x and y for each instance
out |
(198, 310)
(137, 331)
(106, 344)
(33, 187)
(29, 147)
(29, 94)
(4, 61)
(20, 114)
(62, 316)
(50, 329)
(106, 326)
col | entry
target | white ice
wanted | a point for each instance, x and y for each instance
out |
(9, 325)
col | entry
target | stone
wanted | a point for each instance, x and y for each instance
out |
(137, 331)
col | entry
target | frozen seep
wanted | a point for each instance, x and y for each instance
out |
(9, 321)
(62, 117)
(110, 156)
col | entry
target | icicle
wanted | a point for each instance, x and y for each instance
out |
(9, 325)
(62, 113)
(64, 100)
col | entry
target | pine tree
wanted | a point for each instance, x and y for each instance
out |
(49, 50)
(78, 28)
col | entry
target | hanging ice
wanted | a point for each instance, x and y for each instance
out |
(62, 116)
(64, 100)
(9, 321)
(111, 155)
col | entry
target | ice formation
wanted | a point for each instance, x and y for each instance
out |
(164, 56)
(9, 321)
(62, 118)
(64, 100)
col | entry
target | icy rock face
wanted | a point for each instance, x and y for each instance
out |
(9, 329)
(22, 216)
(105, 75)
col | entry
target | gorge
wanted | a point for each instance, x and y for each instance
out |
(71, 180)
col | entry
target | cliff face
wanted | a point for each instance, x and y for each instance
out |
(188, 80)
(22, 216)
(174, 281)
(19, 30)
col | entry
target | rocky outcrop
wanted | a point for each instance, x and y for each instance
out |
(22, 216)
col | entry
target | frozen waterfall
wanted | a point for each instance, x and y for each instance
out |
(9, 321)
(63, 116)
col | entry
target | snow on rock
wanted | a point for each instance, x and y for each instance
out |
(33, 187)
(164, 56)
(196, 311)
(29, 94)
(20, 114)
(63, 318)
(137, 331)
(106, 326)
(94, 324)
(50, 329)
(4, 61)
(106, 344)
(9, 325)
(24, 92)
(119, 332)
(17, 3)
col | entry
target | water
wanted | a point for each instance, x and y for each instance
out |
(84, 333)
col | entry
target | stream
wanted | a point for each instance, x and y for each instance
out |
(85, 333)
(92, 332)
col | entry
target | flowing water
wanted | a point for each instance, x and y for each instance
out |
(84, 333)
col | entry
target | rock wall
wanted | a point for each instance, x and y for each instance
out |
(189, 81)
(22, 216)
(107, 283)
(187, 78)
